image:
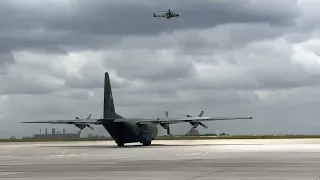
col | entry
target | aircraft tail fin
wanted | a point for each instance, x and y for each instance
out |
(108, 104)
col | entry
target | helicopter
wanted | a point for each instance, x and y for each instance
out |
(168, 14)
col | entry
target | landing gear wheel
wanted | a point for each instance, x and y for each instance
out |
(146, 143)
(120, 144)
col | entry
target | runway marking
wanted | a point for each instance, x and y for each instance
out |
(208, 174)
(64, 151)
(64, 155)
(191, 154)
(9, 173)
(178, 178)
(4, 156)
(54, 178)
(92, 177)
(258, 177)
(68, 155)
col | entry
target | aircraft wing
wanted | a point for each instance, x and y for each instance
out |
(90, 121)
(176, 120)
(142, 120)
(78, 121)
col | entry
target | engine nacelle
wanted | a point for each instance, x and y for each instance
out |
(81, 126)
(165, 125)
(195, 124)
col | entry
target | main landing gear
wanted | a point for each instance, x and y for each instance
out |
(148, 143)
(144, 143)
(120, 144)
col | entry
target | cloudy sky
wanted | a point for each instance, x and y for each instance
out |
(228, 58)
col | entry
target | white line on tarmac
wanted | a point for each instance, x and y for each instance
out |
(191, 154)
(148, 178)
(94, 177)
(4, 156)
(64, 155)
(9, 173)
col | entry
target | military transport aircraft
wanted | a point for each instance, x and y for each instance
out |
(128, 130)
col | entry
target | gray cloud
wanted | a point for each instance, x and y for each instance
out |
(100, 16)
(91, 24)
(154, 65)
(5, 60)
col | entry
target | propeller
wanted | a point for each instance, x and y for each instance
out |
(166, 125)
(168, 128)
(196, 123)
(82, 126)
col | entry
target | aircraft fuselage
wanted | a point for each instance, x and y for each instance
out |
(129, 132)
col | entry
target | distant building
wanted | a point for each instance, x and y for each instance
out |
(56, 135)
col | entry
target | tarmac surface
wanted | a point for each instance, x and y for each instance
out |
(177, 160)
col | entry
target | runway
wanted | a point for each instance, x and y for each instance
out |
(177, 160)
